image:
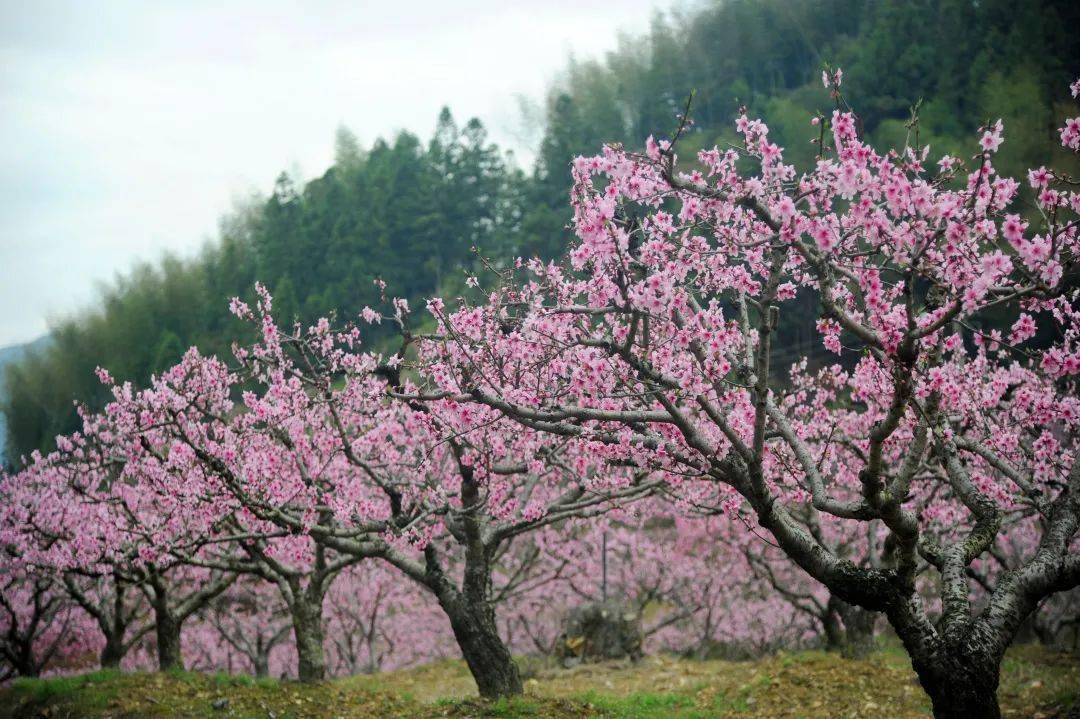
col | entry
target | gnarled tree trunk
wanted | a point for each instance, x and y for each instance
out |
(113, 652)
(308, 632)
(19, 653)
(962, 681)
(834, 631)
(489, 660)
(260, 662)
(169, 618)
(855, 638)
(167, 630)
(958, 661)
(469, 609)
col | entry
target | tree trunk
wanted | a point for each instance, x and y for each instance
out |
(470, 612)
(308, 631)
(489, 660)
(858, 630)
(961, 688)
(167, 629)
(113, 652)
(261, 664)
(166, 625)
(830, 624)
(22, 659)
(958, 669)
(372, 652)
(848, 629)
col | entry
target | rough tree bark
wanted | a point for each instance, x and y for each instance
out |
(305, 604)
(308, 632)
(834, 633)
(471, 615)
(111, 616)
(469, 608)
(169, 617)
(488, 658)
(957, 663)
(113, 652)
(962, 682)
(472, 620)
(167, 631)
(958, 667)
(260, 657)
(115, 625)
(20, 655)
(855, 639)
(958, 660)
(261, 663)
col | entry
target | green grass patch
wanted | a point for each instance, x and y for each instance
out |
(802, 685)
(641, 706)
(92, 692)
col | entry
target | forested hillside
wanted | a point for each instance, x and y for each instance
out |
(417, 213)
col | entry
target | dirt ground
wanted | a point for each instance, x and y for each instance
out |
(1036, 684)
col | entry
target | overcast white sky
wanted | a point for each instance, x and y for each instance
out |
(129, 128)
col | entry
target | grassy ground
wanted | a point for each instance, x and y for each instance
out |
(1036, 683)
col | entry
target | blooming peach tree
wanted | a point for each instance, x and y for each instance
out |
(948, 421)
(311, 457)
